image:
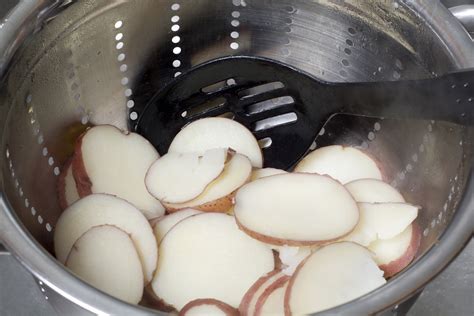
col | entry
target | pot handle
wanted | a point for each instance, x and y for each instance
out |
(465, 15)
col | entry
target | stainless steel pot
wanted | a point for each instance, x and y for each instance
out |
(67, 64)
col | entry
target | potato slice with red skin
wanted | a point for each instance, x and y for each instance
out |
(249, 302)
(342, 163)
(295, 209)
(181, 177)
(206, 255)
(67, 190)
(394, 254)
(208, 307)
(107, 160)
(105, 257)
(272, 301)
(265, 172)
(217, 132)
(104, 209)
(150, 300)
(381, 221)
(317, 283)
(373, 191)
(218, 195)
(167, 222)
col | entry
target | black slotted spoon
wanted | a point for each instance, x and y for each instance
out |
(285, 108)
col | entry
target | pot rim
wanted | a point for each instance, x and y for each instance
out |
(24, 19)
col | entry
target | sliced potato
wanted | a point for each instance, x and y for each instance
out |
(107, 160)
(103, 209)
(249, 301)
(272, 301)
(217, 132)
(265, 172)
(208, 307)
(105, 257)
(181, 177)
(373, 191)
(394, 254)
(67, 191)
(291, 257)
(295, 209)
(218, 195)
(342, 163)
(333, 275)
(164, 224)
(206, 255)
(381, 221)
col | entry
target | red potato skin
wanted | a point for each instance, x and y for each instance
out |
(221, 205)
(287, 242)
(151, 300)
(269, 290)
(225, 308)
(244, 304)
(290, 285)
(61, 186)
(83, 182)
(392, 268)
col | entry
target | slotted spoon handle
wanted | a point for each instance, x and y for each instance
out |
(446, 98)
(286, 108)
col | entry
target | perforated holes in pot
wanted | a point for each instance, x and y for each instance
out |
(120, 46)
(235, 23)
(27, 204)
(74, 84)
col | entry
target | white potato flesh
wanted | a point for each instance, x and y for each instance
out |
(388, 250)
(105, 257)
(70, 190)
(167, 222)
(295, 209)
(291, 257)
(116, 163)
(331, 276)
(205, 310)
(344, 164)
(274, 304)
(265, 172)
(217, 132)
(181, 177)
(373, 191)
(103, 209)
(206, 255)
(381, 221)
(236, 173)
